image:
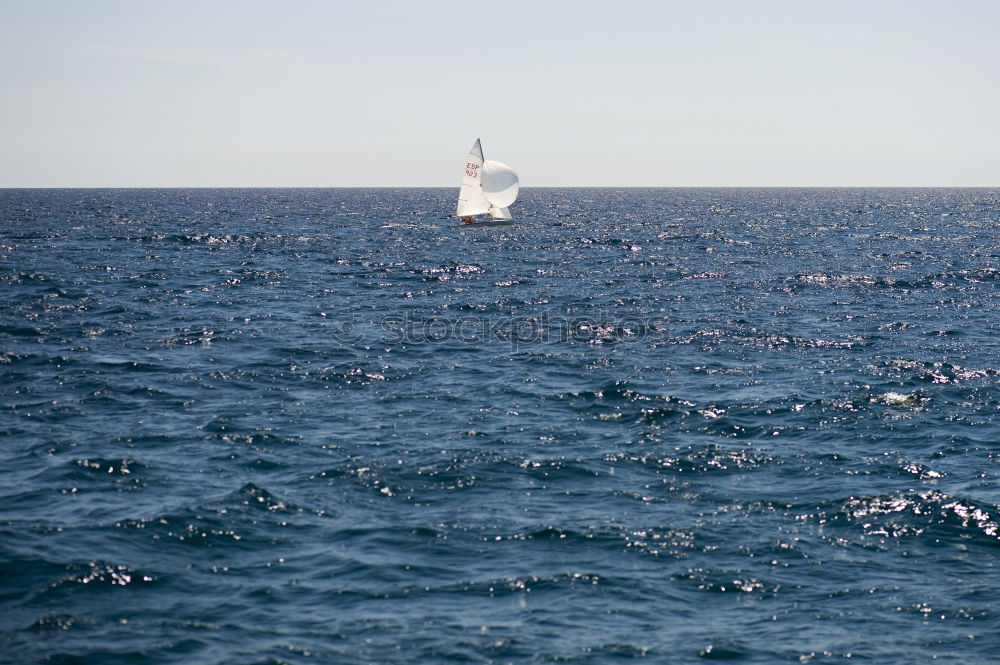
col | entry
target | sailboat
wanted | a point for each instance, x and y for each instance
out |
(488, 188)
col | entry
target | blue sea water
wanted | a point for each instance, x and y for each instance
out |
(333, 426)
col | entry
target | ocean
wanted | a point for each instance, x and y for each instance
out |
(248, 426)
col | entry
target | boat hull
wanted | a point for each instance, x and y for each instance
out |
(480, 224)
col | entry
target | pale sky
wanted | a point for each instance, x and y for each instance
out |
(672, 93)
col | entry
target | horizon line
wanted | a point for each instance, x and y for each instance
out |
(455, 187)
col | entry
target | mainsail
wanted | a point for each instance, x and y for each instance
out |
(472, 198)
(487, 187)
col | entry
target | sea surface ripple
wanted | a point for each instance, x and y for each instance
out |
(333, 426)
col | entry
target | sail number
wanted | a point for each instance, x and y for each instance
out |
(472, 170)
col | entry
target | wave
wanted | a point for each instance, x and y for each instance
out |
(931, 517)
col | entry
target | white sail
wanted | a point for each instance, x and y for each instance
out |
(499, 183)
(500, 214)
(471, 198)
